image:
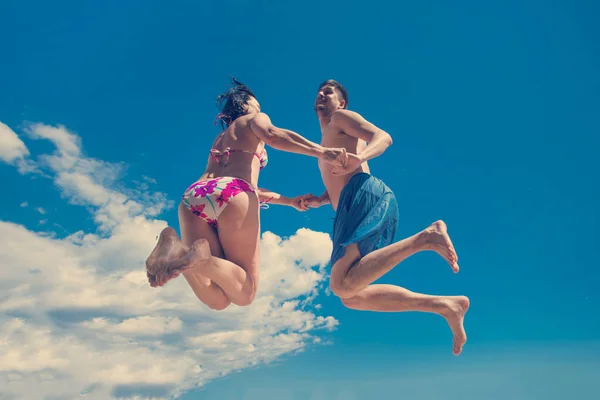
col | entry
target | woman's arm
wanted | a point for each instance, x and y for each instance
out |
(269, 197)
(286, 140)
(317, 201)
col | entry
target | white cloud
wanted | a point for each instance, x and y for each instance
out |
(78, 316)
(13, 151)
(145, 325)
(66, 143)
(40, 210)
(24, 204)
(11, 147)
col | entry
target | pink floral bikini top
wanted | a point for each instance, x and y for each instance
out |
(216, 155)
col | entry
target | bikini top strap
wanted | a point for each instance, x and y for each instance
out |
(246, 151)
(216, 154)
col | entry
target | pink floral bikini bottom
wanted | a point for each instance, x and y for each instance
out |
(208, 198)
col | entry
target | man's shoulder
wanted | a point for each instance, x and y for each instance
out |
(344, 115)
(332, 129)
(342, 120)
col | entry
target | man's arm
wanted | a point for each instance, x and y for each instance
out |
(286, 140)
(324, 198)
(353, 124)
(283, 139)
(317, 201)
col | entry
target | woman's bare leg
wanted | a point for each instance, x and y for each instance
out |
(239, 231)
(170, 248)
(193, 228)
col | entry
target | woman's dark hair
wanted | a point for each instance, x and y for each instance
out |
(233, 103)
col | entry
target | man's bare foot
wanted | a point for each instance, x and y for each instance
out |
(455, 308)
(436, 238)
(168, 249)
(198, 253)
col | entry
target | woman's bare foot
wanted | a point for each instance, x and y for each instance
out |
(455, 308)
(198, 253)
(436, 238)
(168, 249)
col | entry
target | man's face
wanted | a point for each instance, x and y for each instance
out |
(328, 100)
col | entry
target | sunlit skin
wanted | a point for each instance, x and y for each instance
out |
(222, 267)
(352, 276)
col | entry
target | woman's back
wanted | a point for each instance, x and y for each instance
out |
(237, 152)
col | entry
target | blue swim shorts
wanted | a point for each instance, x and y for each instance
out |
(367, 214)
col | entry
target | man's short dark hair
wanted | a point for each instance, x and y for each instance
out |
(337, 86)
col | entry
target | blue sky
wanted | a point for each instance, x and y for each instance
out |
(494, 108)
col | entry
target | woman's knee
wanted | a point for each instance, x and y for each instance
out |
(219, 304)
(209, 293)
(245, 301)
(248, 292)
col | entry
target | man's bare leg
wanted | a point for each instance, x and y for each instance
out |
(390, 298)
(351, 274)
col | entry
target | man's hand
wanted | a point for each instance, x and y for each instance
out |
(352, 164)
(313, 201)
(299, 202)
(338, 157)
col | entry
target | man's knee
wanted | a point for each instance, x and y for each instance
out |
(340, 281)
(341, 287)
(351, 302)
